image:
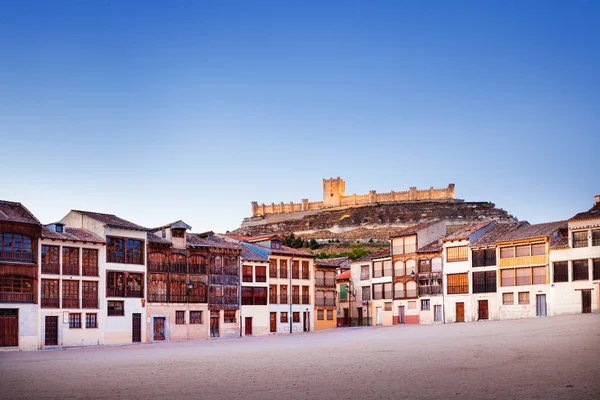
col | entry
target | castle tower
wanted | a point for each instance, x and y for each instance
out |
(333, 191)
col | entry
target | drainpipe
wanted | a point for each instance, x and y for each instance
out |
(443, 290)
(291, 293)
(240, 292)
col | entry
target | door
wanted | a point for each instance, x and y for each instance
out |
(460, 312)
(214, 323)
(51, 331)
(248, 326)
(379, 316)
(483, 309)
(136, 327)
(401, 314)
(437, 313)
(540, 305)
(360, 316)
(346, 318)
(159, 328)
(586, 301)
(273, 322)
(306, 322)
(9, 327)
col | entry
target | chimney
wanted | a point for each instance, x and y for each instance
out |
(597, 199)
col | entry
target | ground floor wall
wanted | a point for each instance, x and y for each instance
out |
(452, 305)
(56, 322)
(25, 328)
(494, 305)
(567, 297)
(161, 322)
(379, 314)
(428, 316)
(537, 294)
(119, 329)
(405, 311)
(258, 318)
(329, 317)
(305, 314)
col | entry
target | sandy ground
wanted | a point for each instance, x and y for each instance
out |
(545, 358)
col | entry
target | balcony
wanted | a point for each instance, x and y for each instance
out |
(283, 299)
(70, 269)
(272, 272)
(16, 297)
(230, 300)
(407, 294)
(325, 302)
(89, 303)
(178, 267)
(295, 274)
(154, 266)
(70, 303)
(17, 256)
(157, 298)
(51, 269)
(115, 292)
(305, 299)
(428, 290)
(197, 269)
(295, 299)
(305, 274)
(50, 303)
(325, 282)
(89, 271)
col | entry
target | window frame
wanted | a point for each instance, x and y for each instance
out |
(74, 320)
(179, 317)
(91, 320)
(116, 311)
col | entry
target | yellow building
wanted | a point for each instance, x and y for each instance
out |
(325, 294)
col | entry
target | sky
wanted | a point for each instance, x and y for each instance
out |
(160, 111)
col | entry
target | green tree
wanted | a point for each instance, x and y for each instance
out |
(313, 244)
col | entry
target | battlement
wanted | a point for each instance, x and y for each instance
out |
(334, 196)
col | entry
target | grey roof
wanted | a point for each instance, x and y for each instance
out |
(16, 212)
(112, 221)
(173, 225)
(534, 231)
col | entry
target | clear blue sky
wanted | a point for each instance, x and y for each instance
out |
(191, 110)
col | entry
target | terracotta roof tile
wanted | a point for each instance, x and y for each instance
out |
(411, 230)
(331, 262)
(173, 225)
(432, 247)
(72, 234)
(249, 255)
(16, 212)
(194, 240)
(346, 275)
(112, 221)
(155, 239)
(533, 231)
(468, 230)
(592, 213)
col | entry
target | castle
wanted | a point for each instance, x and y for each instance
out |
(334, 196)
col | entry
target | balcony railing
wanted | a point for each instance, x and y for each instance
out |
(70, 269)
(325, 282)
(430, 290)
(177, 298)
(16, 297)
(295, 299)
(407, 294)
(254, 301)
(179, 267)
(305, 274)
(273, 272)
(115, 292)
(325, 302)
(295, 274)
(230, 300)
(51, 269)
(17, 256)
(305, 299)
(157, 298)
(197, 269)
(283, 299)
(89, 303)
(154, 266)
(89, 271)
(580, 243)
(70, 303)
(458, 289)
(50, 303)
(119, 258)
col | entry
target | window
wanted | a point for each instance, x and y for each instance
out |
(283, 269)
(596, 269)
(229, 317)
(387, 307)
(59, 228)
(398, 269)
(377, 291)
(179, 317)
(91, 320)
(89, 262)
(410, 267)
(283, 294)
(387, 291)
(254, 296)
(523, 251)
(424, 266)
(364, 272)
(523, 276)
(273, 268)
(273, 294)
(74, 320)
(50, 260)
(377, 269)
(89, 294)
(507, 252)
(70, 294)
(261, 273)
(539, 275)
(330, 315)
(50, 293)
(523, 297)
(196, 317)
(343, 293)
(484, 282)
(305, 295)
(125, 251)
(398, 246)
(399, 290)
(135, 285)
(580, 270)
(595, 237)
(580, 239)
(70, 261)
(283, 318)
(561, 271)
(246, 273)
(411, 289)
(366, 293)
(387, 268)
(508, 298)
(538, 249)
(15, 247)
(216, 265)
(115, 308)
(457, 253)
(275, 244)
(458, 283)
(305, 270)
(412, 305)
(18, 289)
(296, 316)
(425, 305)
(320, 315)
(507, 277)
(115, 286)
(484, 258)
(295, 269)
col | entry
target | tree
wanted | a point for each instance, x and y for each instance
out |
(313, 244)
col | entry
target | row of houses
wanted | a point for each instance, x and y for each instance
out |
(489, 270)
(94, 279)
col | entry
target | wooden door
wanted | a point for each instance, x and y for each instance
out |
(51, 331)
(460, 312)
(214, 323)
(540, 305)
(159, 328)
(248, 326)
(136, 327)
(306, 321)
(483, 309)
(9, 327)
(401, 314)
(360, 316)
(586, 301)
(346, 317)
(273, 322)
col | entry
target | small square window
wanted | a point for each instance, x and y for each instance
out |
(179, 317)
(116, 309)
(425, 305)
(320, 315)
(508, 298)
(296, 316)
(283, 317)
(195, 317)
(329, 315)
(91, 321)
(59, 228)
(229, 317)
(523, 297)
(74, 320)
(388, 307)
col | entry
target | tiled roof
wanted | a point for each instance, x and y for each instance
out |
(592, 213)
(376, 254)
(16, 212)
(155, 239)
(344, 276)
(72, 234)
(490, 237)
(533, 231)
(411, 230)
(561, 243)
(432, 247)
(239, 238)
(263, 238)
(331, 262)
(467, 231)
(194, 240)
(249, 255)
(173, 225)
(285, 250)
(112, 221)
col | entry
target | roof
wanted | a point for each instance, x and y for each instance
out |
(411, 230)
(468, 230)
(155, 239)
(385, 252)
(331, 262)
(173, 225)
(16, 212)
(533, 231)
(72, 234)
(501, 229)
(346, 275)
(195, 240)
(433, 247)
(112, 221)
(249, 255)
(262, 238)
(560, 243)
(285, 250)
(592, 213)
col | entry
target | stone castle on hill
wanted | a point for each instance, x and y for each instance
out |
(334, 197)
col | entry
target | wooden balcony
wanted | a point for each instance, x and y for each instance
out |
(89, 303)
(51, 269)
(70, 269)
(325, 282)
(283, 299)
(305, 299)
(50, 303)
(17, 256)
(16, 297)
(158, 266)
(325, 302)
(89, 271)
(70, 303)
